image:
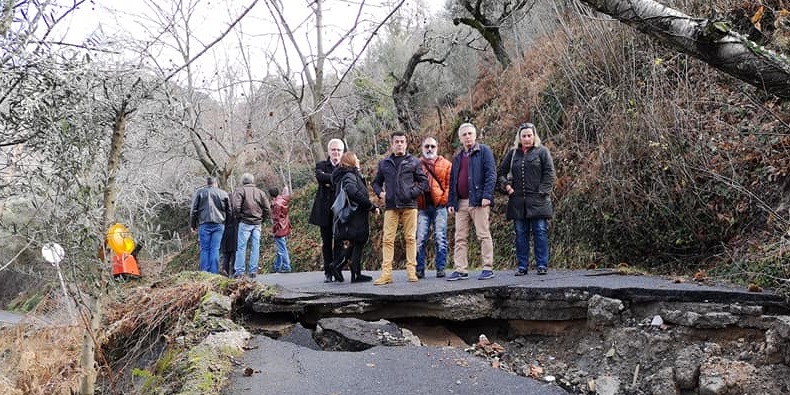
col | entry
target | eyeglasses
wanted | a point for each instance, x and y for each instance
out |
(429, 146)
(526, 125)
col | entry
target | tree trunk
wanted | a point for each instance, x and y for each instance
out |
(491, 34)
(113, 163)
(87, 357)
(710, 41)
(314, 134)
(408, 120)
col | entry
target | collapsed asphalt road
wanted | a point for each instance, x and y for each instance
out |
(281, 367)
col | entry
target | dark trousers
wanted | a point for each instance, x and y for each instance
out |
(227, 262)
(352, 252)
(330, 249)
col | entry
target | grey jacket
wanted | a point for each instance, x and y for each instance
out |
(209, 205)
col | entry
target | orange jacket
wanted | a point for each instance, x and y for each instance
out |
(438, 173)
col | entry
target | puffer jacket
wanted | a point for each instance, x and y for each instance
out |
(439, 186)
(532, 178)
(357, 228)
(281, 223)
(482, 176)
(402, 183)
(250, 205)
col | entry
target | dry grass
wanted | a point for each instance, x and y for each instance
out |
(40, 360)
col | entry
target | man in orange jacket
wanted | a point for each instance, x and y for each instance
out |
(432, 207)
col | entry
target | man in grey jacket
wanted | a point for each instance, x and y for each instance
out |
(210, 206)
(251, 207)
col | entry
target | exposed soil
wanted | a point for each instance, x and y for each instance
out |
(637, 358)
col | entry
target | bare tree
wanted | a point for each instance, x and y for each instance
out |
(488, 17)
(714, 42)
(405, 88)
(314, 61)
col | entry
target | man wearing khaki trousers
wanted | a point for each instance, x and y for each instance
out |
(399, 180)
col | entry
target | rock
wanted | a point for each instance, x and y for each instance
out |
(301, 336)
(215, 305)
(721, 375)
(663, 383)
(777, 341)
(607, 385)
(706, 320)
(712, 385)
(235, 339)
(602, 311)
(687, 366)
(410, 337)
(352, 334)
(657, 321)
(467, 307)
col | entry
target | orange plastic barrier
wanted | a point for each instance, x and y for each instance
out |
(126, 265)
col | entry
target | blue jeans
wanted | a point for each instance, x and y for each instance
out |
(209, 237)
(253, 234)
(539, 228)
(282, 262)
(425, 218)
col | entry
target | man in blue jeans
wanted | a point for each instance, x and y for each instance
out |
(432, 207)
(210, 207)
(251, 208)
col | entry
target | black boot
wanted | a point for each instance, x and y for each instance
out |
(356, 274)
(328, 276)
(337, 271)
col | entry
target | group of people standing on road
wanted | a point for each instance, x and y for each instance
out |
(420, 193)
(229, 223)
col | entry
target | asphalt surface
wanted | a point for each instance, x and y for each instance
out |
(295, 366)
(298, 286)
(9, 318)
(285, 368)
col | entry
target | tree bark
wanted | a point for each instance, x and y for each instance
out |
(113, 163)
(713, 42)
(87, 356)
(491, 34)
(400, 93)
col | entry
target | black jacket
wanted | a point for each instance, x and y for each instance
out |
(402, 184)
(321, 213)
(357, 229)
(532, 178)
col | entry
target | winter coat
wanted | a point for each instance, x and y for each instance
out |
(250, 205)
(321, 214)
(357, 228)
(281, 223)
(231, 235)
(439, 186)
(402, 183)
(532, 178)
(210, 205)
(482, 176)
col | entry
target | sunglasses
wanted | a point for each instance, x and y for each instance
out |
(429, 146)
(526, 126)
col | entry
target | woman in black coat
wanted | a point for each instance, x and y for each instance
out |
(354, 232)
(527, 176)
